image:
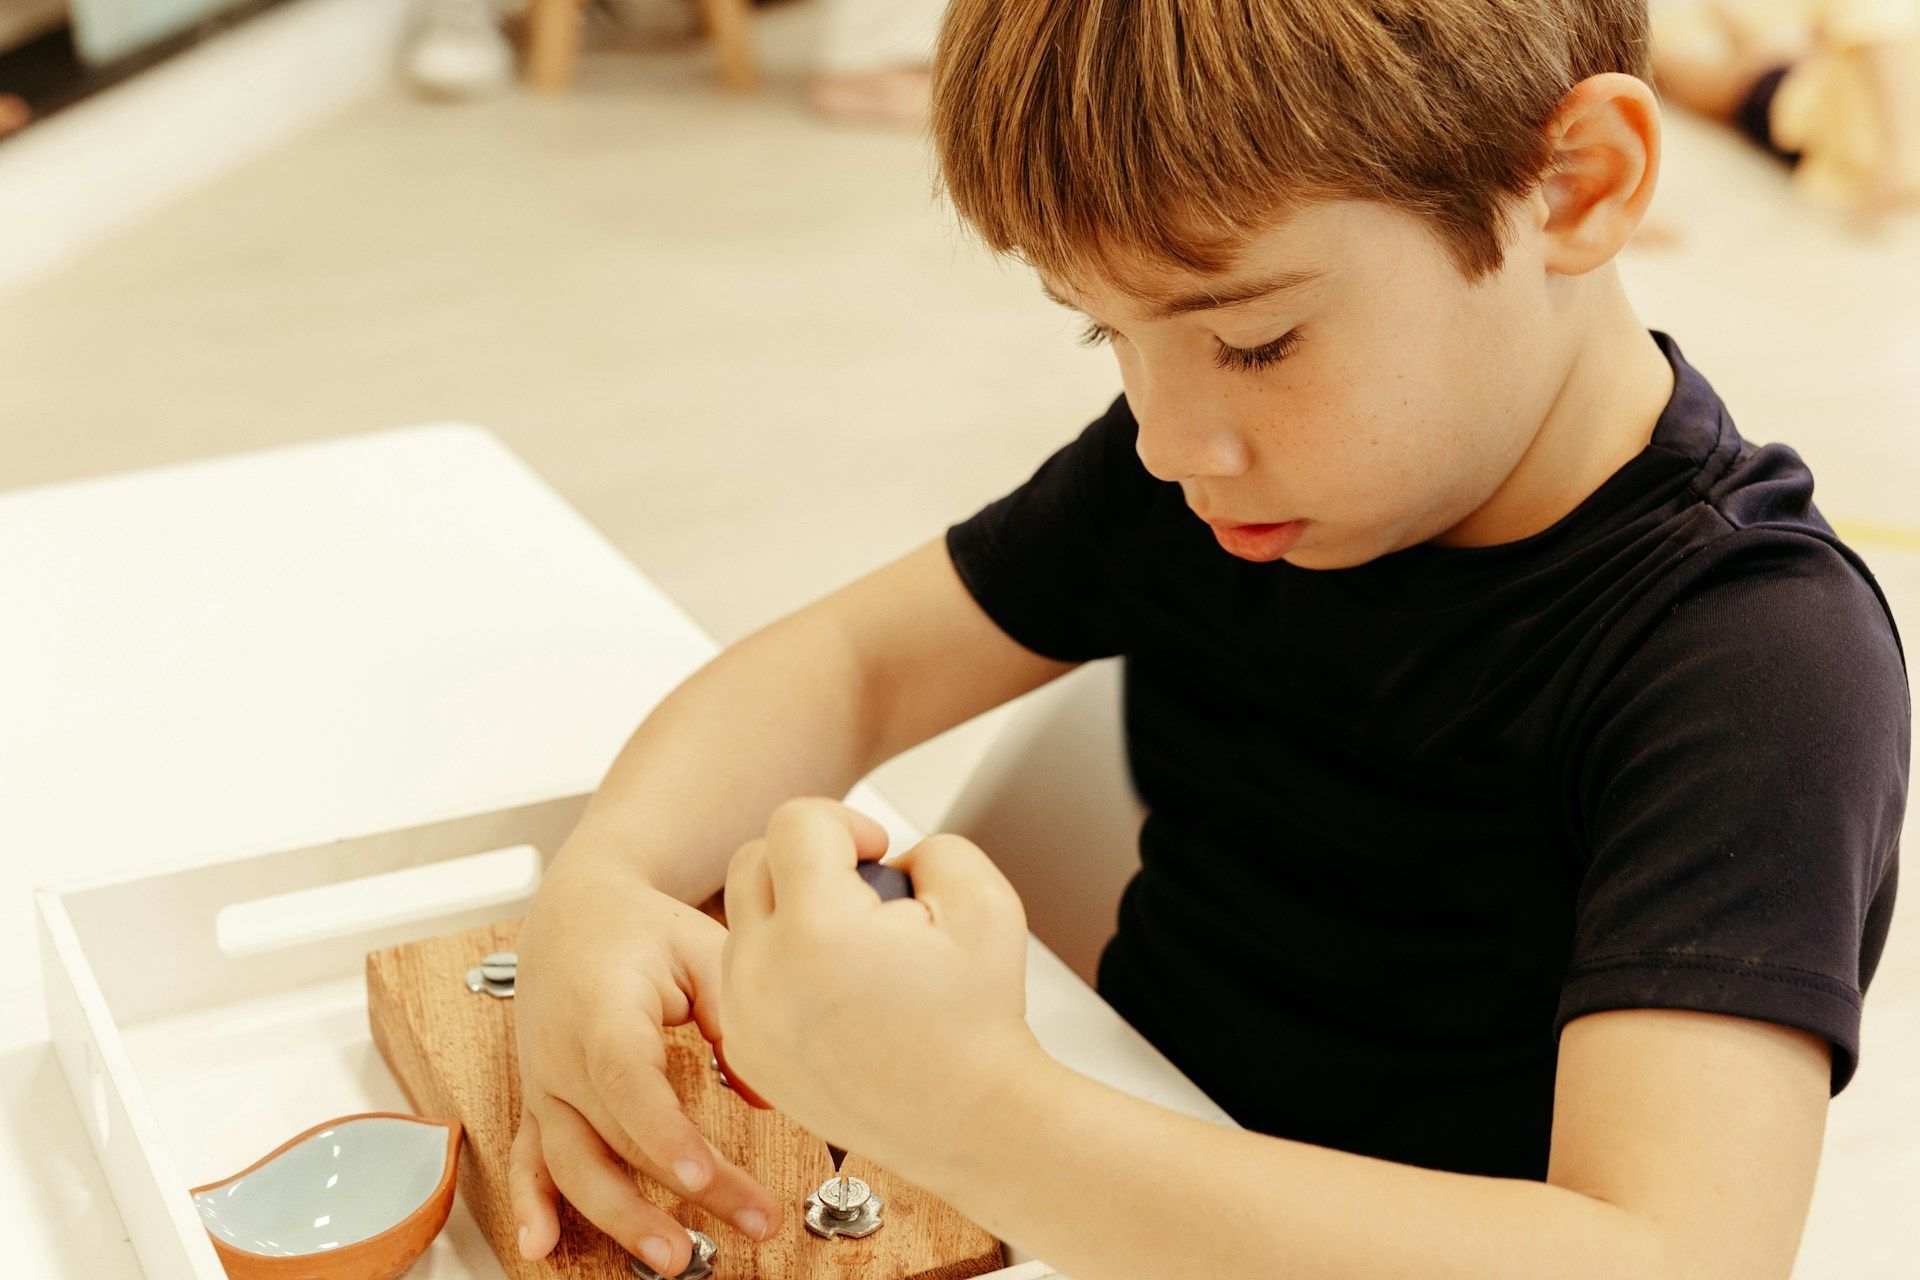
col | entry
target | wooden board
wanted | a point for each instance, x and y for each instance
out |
(453, 1053)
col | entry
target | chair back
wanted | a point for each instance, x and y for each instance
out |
(1053, 804)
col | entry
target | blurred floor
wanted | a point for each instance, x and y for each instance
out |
(750, 347)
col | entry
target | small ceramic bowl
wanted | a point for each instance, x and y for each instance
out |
(358, 1197)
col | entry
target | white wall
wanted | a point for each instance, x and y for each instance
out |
(104, 162)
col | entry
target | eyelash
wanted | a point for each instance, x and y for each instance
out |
(1244, 359)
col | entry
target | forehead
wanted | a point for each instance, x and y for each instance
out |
(1288, 252)
(1362, 242)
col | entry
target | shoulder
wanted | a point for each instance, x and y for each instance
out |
(1779, 611)
(1736, 791)
(1771, 576)
(1801, 584)
(1762, 647)
(1753, 573)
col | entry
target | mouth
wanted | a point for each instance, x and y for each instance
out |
(1257, 542)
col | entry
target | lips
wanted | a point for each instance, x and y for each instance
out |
(1258, 542)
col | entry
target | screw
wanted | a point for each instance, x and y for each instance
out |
(495, 974)
(699, 1266)
(844, 1206)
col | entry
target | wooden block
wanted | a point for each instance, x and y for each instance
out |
(453, 1053)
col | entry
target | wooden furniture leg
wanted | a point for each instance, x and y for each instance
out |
(553, 43)
(727, 23)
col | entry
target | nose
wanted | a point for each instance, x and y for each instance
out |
(1182, 446)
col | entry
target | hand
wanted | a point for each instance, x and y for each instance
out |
(606, 960)
(887, 1028)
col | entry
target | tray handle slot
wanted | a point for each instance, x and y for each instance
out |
(432, 891)
(179, 915)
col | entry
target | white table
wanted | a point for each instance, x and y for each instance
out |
(278, 649)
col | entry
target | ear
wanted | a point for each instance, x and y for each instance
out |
(1600, 179)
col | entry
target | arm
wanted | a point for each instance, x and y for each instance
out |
(1684, 1148)
(1684, 1143)
(1740, 787)
(608, 952)
(809, 704)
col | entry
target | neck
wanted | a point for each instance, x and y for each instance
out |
(1603, 414)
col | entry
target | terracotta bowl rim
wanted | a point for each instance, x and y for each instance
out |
(449, 1170)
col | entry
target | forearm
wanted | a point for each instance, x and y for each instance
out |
(1105, 1186)
(781, 712)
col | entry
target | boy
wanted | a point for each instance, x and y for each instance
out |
(1525, 757)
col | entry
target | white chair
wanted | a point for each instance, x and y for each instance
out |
(1053, 803)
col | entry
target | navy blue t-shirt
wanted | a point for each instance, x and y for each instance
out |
(1407, 819)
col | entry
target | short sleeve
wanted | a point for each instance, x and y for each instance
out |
(1043, 561)
(1741, 791)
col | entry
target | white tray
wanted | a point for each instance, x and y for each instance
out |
(198, 1026)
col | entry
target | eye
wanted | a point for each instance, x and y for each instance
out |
(1253, 359)
(1094, 334)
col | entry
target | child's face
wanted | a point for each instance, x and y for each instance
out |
(1377, 404)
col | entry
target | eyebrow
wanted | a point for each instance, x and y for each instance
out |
(1230, 295)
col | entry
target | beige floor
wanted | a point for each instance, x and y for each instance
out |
(752, 349)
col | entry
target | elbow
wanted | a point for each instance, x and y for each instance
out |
(1659, 1251)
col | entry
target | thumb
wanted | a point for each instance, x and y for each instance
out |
(869, 836)
(702, 964)
(965, 892)
(701, 961)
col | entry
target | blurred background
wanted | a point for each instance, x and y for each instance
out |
(685, 259)
(731, 324)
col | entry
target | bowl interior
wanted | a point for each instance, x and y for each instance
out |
(344, 1184)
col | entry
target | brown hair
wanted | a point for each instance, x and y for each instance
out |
(1070, 132)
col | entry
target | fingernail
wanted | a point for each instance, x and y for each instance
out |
(690, 1174)
(656, 1253)
(523, 1241)
(753, 1222)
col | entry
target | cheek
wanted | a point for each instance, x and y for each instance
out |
(1427, 393)
(1360, 439)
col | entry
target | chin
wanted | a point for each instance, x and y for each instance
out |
(1311, 553)
(1323, 558)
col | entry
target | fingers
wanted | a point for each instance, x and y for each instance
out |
(757, 1213)
(966, 894)
(530, 1190)
(586, 1172)
(749, 893)
(734, 1082)
(811, 844)
(715, 1014)
(644, 1122)
(636, 1111)
(869, 836)
(701, 965)
(699, 1174)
